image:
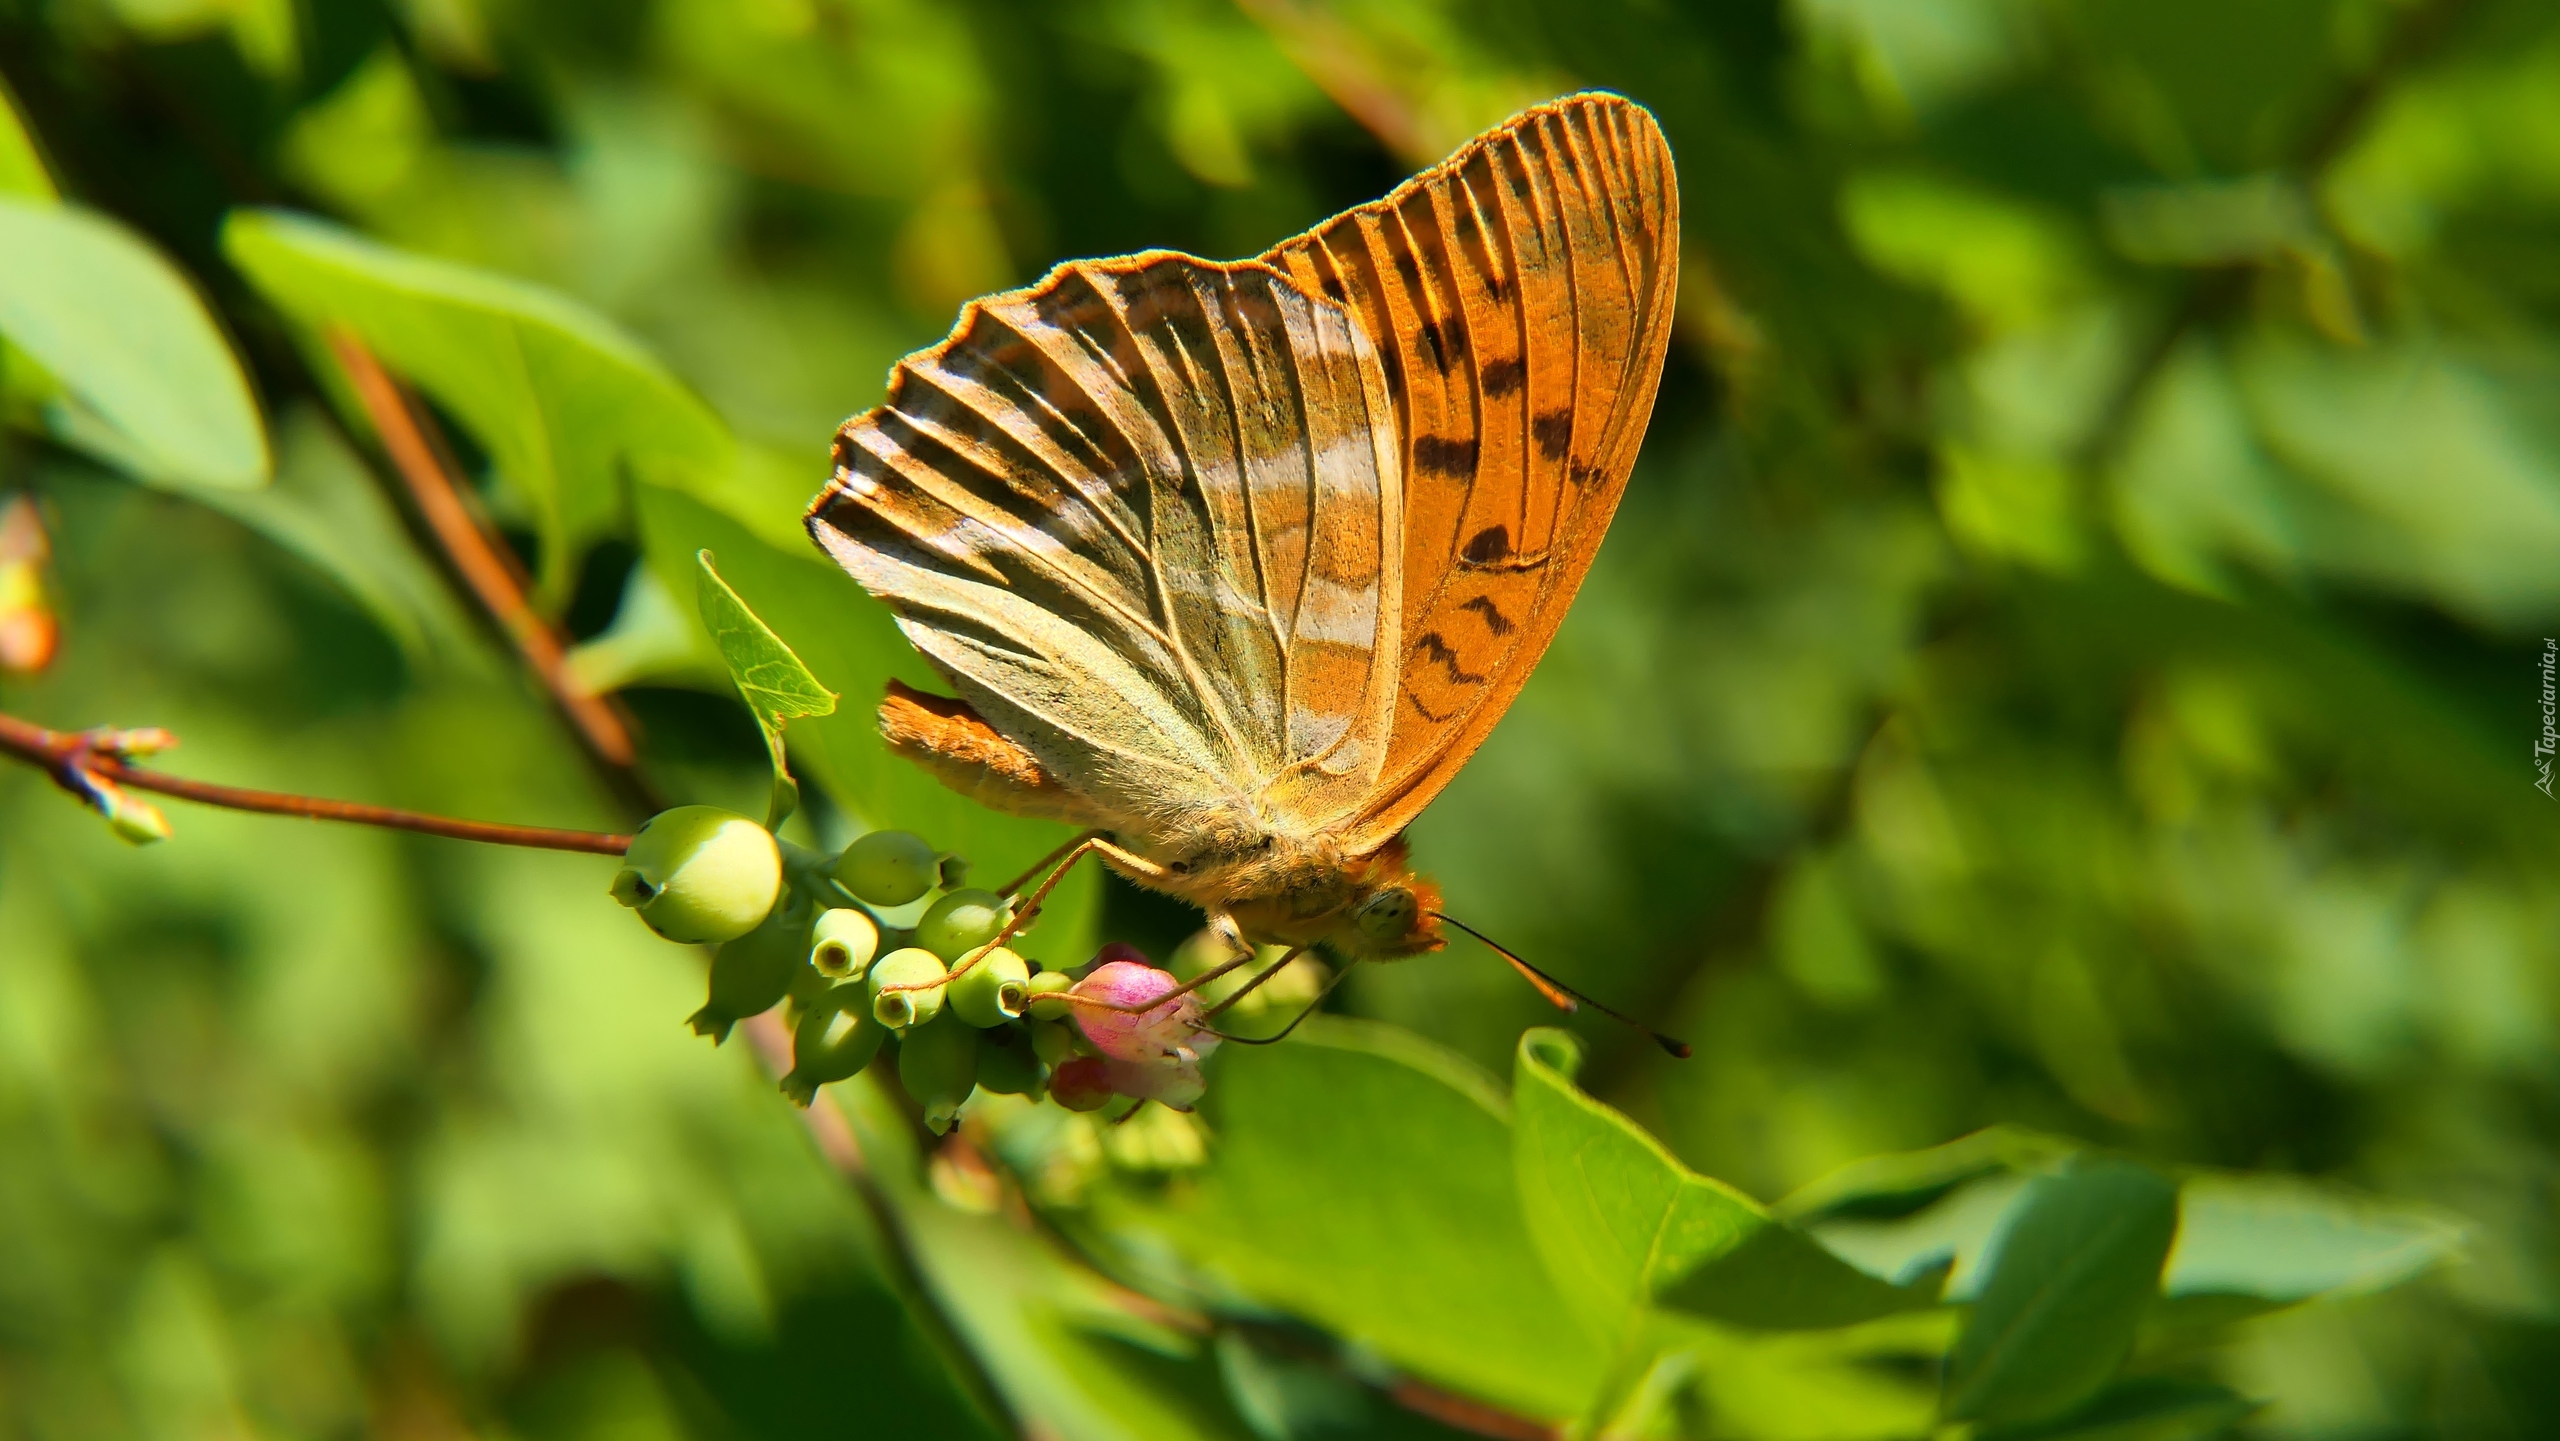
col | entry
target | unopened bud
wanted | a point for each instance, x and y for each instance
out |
(1007, 1065)
(843, 942)
(899, 1008)
(836, 1038)
(961, 922)
(1048, 995)
(751, 974)
(1122, 1031)
(135, 821)
(991, 988)
(700, 874)
(938, 1064)
(887, 868)
(1054, 1042)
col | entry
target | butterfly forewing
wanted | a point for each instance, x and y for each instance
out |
(1520, 297)
(1143, 515)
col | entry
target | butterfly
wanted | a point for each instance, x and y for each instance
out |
(1234, 564)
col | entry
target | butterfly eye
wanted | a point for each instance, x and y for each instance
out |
(1385, 916)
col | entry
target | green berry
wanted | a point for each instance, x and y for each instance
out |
(899, 1010)
(843, 942)
(1049, 995)
(700, 874)
(1006, 1064)
(888, 868)
(938, 1064)
(992, 989)
(751, 974)
(961, 922)
(836, 1037)
(1053, 1041)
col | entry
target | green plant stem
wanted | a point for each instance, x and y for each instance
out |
(64, 755)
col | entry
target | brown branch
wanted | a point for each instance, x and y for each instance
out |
(1465, 1414)
(489, 571)
(75, 757)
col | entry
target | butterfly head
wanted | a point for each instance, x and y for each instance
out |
(1394, 920)
(1395, 913)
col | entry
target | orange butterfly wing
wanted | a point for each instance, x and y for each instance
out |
(1520, 294)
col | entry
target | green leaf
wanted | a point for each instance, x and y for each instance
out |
(2067, 1284)
(2144, 1408)
(565, 402)
(2246, 1244)
(148, 383)
(2282, 1240)
(22, 172)
(1903, 1182)
(772, 681)
(1951, 1235)
(1622, 1225)
(849, 641)
(1361, 1180)
(327, 509)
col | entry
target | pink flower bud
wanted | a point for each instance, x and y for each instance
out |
(1156, 1036)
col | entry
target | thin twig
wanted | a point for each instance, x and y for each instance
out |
(66, 755)
(489, 571)
(1464, 1413)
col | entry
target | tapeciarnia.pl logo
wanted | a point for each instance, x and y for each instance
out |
(2549, 741)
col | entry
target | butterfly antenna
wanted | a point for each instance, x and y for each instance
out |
(1563, 997)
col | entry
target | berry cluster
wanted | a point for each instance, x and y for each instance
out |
(962, 1012)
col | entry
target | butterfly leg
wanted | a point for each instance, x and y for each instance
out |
(1266, 973)
(1014, 887)
(1283, 1033)
(1072, 852)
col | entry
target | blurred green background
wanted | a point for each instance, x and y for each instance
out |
(2067, 657)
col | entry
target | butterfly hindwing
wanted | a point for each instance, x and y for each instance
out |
(1520, 296)
(1143, 516)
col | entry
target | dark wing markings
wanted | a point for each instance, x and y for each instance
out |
(1443, 456)
(1494, 619)
(1432, 647)
(1490, 549)
(1554, 433)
